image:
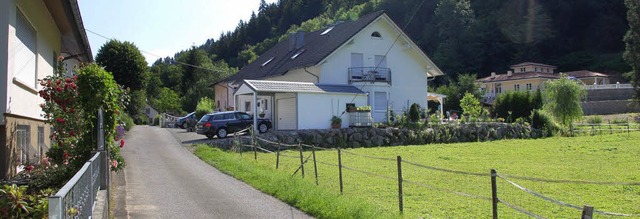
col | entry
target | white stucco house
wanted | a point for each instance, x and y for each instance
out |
(33, 35)
(302, 82)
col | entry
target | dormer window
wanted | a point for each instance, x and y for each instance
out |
(327, 30)
(298, 53)
(268, 61)
(376, 35)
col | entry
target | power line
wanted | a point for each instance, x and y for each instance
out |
(176, 61)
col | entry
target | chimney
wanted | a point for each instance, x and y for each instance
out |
(299, 39)
(493, 74)
(292, 41)
(509, 73)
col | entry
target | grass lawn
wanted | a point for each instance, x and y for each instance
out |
(591, 158)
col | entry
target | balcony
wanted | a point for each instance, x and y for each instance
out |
(369, 74)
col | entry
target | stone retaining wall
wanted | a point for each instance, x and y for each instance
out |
(373, 137)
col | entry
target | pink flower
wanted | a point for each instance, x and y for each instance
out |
(28, 168)
(60, 120)
(114, 164)
(122, 143)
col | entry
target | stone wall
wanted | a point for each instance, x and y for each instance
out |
(374, 137)
(609, 107)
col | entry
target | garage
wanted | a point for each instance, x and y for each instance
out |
(301, 105)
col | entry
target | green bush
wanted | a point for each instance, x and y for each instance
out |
(414, 112)
(619, 121)
(542, 121)
(205, 106)
(127, 120)
(594, 119)
(15, 202)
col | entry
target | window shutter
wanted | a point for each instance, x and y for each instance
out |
(25, 51)
(380, 101)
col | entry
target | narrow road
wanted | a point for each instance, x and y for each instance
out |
(165, 180)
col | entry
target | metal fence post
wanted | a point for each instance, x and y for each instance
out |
(278, 156)
(494, 194)
(340, 169)
(56, 208)
(400, 184)
(301, 159)
(315, 166)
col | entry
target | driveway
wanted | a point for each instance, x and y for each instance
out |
(165, 180)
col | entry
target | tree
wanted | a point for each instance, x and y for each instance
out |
(465, 83)
(470, 105)
(562, 99)
(632, 41)
(205, 105)
(125, 62)
(513, 105)
(456, 51)
(167, 101)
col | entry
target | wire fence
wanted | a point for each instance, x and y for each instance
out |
(617, 126)
(281, 150)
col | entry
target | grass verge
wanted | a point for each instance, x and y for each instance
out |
(303, 194)
(590, 158)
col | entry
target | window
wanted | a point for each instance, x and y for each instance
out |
(229, 116)
(298, 53)
(516, 87)
(218, 117)
(528, 86)
(23, 141)
(266, 104)
(40, 141)
(268, 61)
(244, 116)
(498, 88)
(536, 69)
(25, 52)
(375, 35)
(523, 69)
(380, 101)
(247, 106)
(381, 61)
(357, 60)
(327, 30)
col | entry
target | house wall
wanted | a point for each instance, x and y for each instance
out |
(299, 75)
(536, 83)
(10, 152)
(23, 99)
(221, 97)
(408, 68)
(317, 109)
(6, 8)
(534, 68)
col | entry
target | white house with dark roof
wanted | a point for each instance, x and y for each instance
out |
(304, 81)
(33, 34)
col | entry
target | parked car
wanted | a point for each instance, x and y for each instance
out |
(182, 121)
(222, 123)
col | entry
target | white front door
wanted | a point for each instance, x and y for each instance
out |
(287, 114)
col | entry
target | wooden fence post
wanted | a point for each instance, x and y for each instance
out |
(494, 194)
(400, 184)
(315, 166)
(587, 212)
(255, 149)
(278, 156)
(301, 159)
(340, 168)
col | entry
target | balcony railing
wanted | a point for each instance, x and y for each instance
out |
(608, 86)
(369, 74)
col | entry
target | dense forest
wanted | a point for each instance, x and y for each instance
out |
(460, 36)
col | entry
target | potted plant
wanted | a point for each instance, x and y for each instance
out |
(336, 122)
(364, 109)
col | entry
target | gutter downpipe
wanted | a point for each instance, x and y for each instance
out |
(308, 72)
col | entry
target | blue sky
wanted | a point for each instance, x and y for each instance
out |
(162, 27)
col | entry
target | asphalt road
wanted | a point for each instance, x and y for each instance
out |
(165, 180)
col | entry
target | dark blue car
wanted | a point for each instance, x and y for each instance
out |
(222, 123)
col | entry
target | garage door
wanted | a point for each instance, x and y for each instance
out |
(287, 115)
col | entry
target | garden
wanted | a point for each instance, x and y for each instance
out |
(70, 107)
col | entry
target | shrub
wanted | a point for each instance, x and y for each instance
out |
(470, 105)
(619, 121)
(414, 112)
(519, 103)
(15, 202)
(542, 121)
(127, 120)
(205, 106)
(594, 119)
